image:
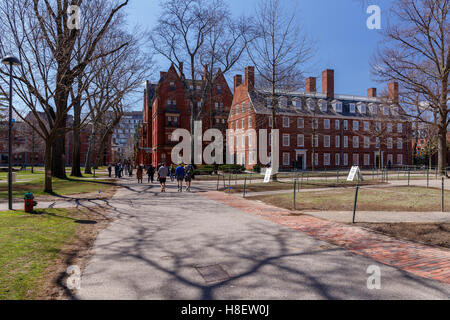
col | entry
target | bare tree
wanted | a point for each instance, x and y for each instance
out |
(416, 53)
(45, 42)
(280, 53)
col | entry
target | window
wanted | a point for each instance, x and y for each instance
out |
(270, 121)
(366, 142)
(315, 124)
(374, 109)
(326, 124)
(243, 123)
(300, 123)
(269, 102)
(338, 141)
(282, 102)
(337, 107)
(172, 86)
(337, 124)
(311, 104)
(345, 124)
(389, 127)
(316, 159)
(390, 159)
(355, 125)
(199, 88)
(297, 103)
(356, 159)
(345, 159)
(386, 111)
(243, 141)
(399, 128)
(367, 159)
(362, 109)
(378, 126)
(346, 142)
(352, 108)
(237, 125)
(400, 144)
(300, 140)
(231, 125)
(377, 143)
(326, 141)
(337, 159)
(219, 89)
(366, 126)
(326, 159)
(191, 87)
(286, 159)
(216, 105)
(400, 159)
(286, 140)
(389, 143)
(286, 122)
(355, 142)
(250, 122)
(315, 141)
(323, 107)
(243, 107)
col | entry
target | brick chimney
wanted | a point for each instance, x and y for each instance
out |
(372, 92)
(328, 83)
(205, 72)
(237, 81)
(310, 85)
(250, 78)
(393, 91)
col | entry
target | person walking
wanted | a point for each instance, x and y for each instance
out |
(109, 170)
(163, 173)
(172, 173)
(130, 170)
(151, 173)
(140, 174)
(189, 175)
(180, 175)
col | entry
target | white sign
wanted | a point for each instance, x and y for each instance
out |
(353, 172)
(268, 175)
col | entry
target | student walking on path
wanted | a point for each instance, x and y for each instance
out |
(189, 176)
(172, 173)
(151, 173)
(180, 175)
(140, 174)
(163, 173)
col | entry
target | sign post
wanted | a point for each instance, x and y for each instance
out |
(268, 175)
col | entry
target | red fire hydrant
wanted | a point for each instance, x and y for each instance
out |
(29, 202)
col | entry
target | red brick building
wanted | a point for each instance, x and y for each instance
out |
(167, 107)
(340, 126)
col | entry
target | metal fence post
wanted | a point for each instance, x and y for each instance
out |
(443, 194)
(355, 204)
(245, 186)
(428, 178)
(218, 182)
(229, 183)
(409, 177)
(295, 189)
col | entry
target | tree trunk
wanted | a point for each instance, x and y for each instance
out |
(58, 158)
(48, 168)
(442, 155)
(76, 162)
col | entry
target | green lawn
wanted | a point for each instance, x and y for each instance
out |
(29, 245)
(35, 183)
(414, 199)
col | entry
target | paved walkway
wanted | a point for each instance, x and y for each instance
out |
(206, 245)
(421, 260)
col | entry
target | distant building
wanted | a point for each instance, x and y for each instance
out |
(125, 130)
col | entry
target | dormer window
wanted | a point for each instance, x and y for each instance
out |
(297, 103)
(282, 102)
(373, 108)
(337, 106)
(352, 108)
(172, 86)
(323, 106)
(191, 87)
(269, 102)
(311, 106)
(219, 89)
(386, 111)
(362, 108)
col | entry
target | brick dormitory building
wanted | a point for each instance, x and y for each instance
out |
(167, 107)
(346, 130)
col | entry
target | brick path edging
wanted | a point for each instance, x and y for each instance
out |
(418, 259)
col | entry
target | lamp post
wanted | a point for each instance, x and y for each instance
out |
(10, 61)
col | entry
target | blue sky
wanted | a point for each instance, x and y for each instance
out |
(343, 41)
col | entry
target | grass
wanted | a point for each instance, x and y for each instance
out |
(34, 182)
(30, 244)
(437, 234)
(410, 199)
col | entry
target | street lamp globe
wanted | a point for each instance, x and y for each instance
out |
(11, 61)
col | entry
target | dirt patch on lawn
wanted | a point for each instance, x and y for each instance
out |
(436, 234)
(76, 252)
